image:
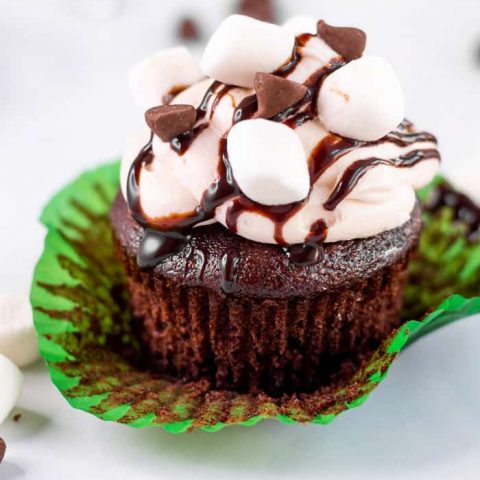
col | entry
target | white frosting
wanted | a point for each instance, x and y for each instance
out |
(383, 198)
(362, 100)
(243, 46)
(268, 162)
(155, 76)
(11, 384)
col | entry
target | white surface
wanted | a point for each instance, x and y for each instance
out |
(65, 106)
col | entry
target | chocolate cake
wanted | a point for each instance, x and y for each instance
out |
(265, 323)
(267, 218)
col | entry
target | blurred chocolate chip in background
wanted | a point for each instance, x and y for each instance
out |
(260, 9)
(188, 29)
(3, 448)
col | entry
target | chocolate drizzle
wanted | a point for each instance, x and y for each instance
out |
(246, 109)
(464, 209)
(278, 214)
(216, 91)
(358, 169)
(311, 252)
(291, 65)
(229, 265)
(156, 246)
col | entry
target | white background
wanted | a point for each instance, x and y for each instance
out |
(64, 106)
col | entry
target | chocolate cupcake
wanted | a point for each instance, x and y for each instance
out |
(269, 212)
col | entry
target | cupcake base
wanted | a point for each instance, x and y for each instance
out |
(278, 342)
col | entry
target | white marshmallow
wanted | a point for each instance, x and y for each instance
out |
(11, 383)
(301, 24)
(268, 162)
(362, 100)
(156, 75)
(18, 340)
(242, 46)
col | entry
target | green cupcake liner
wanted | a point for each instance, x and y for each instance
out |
(83, 322)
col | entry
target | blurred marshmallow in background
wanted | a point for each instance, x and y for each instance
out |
(18, 339)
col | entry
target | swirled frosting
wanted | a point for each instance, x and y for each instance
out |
(362, 160)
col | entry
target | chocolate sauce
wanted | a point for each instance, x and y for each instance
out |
(145, 157)
(327, 152)
(200, 263)
(294, 60)
(464, 209)
(278, 214)
(358, 169)
(156, 246)
(311, 252)
(228, 268)
(183, 142)
(203, 108)
(246, 109)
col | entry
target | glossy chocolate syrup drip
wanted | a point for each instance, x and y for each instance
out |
(184, 141)
(217, 91)
(157, 246)
(228, 267)
(358, 169)
(167, 236)
(246, 109)
(278, 214)
(464, 209)
(311, 252)
(292, 64)
(145, 157)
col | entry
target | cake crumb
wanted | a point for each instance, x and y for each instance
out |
(17, 417)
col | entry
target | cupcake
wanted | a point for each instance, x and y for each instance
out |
(268, 211)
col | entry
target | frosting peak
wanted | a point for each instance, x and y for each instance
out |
(305, 143)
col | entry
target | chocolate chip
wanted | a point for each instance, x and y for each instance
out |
(263, 10)
(276, 94)
(17, 417)
(188, 29)
(169, 121)
(3, 448)
(347, 41)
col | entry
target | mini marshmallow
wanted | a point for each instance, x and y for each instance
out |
(301, 24)
(362, 100)
(11, 383)
(268, 162)
(243, 46)
(157, 75)
(18, 340)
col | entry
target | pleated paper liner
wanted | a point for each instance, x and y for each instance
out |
(83, 323)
